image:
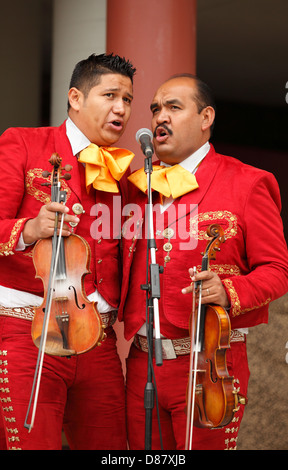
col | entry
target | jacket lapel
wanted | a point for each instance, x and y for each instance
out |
(205, 176)
(63, 148)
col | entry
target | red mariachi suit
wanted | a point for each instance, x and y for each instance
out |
(24, 155)
(23, 173)
(252, 262)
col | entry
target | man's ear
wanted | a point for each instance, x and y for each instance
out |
(74, 97)
(208, 114)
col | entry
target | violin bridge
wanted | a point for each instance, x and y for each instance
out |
(61, 299)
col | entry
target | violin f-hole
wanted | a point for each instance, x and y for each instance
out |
(76, 299)
(214, 380)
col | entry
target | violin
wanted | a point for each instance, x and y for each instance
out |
(66, 323)
(75, 325)
(211, 396)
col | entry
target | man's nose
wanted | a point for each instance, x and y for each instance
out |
(119, 107)
(162, 116)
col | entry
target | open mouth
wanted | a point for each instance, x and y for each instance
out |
(117, 124)
(162, 133)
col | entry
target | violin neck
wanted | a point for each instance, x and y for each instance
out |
(205, 264)
(59, 196)
(202, 313)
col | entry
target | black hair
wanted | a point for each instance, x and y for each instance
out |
(87, 73)
(204, 96)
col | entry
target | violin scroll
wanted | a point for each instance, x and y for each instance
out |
(55, 161)
(216, 232)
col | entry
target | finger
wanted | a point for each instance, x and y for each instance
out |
(206, 292)
(66, 232)
(194, 278)
(203, 276)
(71, 219)
(57, 207)
(214, 295)
(187, 290)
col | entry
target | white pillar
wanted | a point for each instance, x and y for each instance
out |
(79, 29)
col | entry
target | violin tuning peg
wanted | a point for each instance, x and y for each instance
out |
(66, 177)
(67, 167)
(46, 173)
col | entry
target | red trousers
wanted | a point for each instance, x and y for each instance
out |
(171, 382)
(83, 395)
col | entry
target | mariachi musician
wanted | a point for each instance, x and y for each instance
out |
(192, 188)
(85, 393)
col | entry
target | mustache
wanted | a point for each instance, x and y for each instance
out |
(163, 126)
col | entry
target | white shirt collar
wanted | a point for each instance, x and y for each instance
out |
(191, 163)
(76, 138)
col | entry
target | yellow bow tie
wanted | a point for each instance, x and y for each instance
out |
(104, 165)
(168, 181)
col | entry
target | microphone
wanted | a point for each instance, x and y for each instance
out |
(144, 138)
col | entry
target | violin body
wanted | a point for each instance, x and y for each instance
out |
(75, 325)
(215, 401)
(211, 397)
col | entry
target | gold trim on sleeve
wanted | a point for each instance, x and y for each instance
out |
(6, 248)
(236, 305)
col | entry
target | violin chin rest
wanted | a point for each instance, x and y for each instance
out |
(54, 345)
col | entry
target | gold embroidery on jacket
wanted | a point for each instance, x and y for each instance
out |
(35, 191)
(210, 217)
(257, 306)
(231, 433)
(9, 421)
(236, 305)
(223, 269)
(7, 247)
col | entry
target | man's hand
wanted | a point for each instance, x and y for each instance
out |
(213, 291)
(42, 226)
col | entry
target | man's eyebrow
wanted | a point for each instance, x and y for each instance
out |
(169, 102)
(153, 106)
(174, 101)
(108, 90)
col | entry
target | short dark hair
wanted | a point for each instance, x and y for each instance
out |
(204, 96)
(87, 72)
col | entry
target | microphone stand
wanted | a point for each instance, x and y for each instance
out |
(152, 304)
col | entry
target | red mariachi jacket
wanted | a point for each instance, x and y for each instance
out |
(24, 154)
(252, 262)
